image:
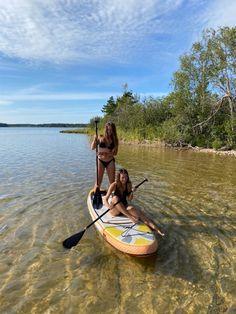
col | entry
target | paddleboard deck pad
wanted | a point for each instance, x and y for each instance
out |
(123, 234)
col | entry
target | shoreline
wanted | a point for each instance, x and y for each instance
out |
(185, 148)
(76, 131)
(154, 143)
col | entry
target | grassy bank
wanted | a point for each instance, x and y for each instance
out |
(134, 138)
(78, 131)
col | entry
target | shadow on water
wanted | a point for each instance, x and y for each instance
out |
(167, 261)
(175, 257)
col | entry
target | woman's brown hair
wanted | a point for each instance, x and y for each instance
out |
(118, 183)
(114, 133)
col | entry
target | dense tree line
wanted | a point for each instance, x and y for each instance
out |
(201, 109)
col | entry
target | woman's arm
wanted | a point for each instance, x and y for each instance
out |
(130, 192)
(115, 150)
(94, 142)
(109, 191)
(130, 196)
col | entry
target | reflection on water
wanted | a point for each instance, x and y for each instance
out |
(45, 178)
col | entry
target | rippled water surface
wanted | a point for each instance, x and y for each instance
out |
(44, 180)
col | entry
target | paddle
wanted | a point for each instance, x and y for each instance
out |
(97, 199)
(74, 239)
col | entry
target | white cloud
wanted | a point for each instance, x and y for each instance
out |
(152, 94)
(88, 30)
(46, 114)
(54, 96)
(35, 93)
(220, 13)
(5, 102)
(61, 31)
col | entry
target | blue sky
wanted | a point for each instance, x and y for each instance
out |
(61, 60)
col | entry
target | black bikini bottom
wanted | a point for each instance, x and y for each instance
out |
(106, 163)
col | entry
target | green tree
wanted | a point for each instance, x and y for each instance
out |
(109, 107)
(221, 47)
(205, 83)
(156, 111)
(125, 111)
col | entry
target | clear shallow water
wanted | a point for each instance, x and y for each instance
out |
(44, 180)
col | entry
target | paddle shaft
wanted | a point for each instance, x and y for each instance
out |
(96, 123)
(99, 217)
(136, 186)
(74, 239)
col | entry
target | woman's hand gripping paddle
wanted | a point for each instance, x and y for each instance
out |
(75, 238)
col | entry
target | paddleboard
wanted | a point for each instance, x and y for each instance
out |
(123, 234)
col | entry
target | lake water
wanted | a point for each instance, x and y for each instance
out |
(45, 177)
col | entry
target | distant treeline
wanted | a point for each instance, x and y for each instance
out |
(200, 110)
(47, 125)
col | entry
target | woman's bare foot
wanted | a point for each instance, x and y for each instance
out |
(154, 228)
(159, 232)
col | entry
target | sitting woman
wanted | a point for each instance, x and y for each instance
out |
(123, 192)
(107, 149)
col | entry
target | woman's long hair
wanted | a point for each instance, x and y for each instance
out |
(114, 133)
(118, 183)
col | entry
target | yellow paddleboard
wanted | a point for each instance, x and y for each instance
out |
(123, 234)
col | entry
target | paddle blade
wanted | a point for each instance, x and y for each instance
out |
(73, 240)
(97, 199)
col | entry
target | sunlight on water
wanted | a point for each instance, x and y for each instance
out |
(45, 179)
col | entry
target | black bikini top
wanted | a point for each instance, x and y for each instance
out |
(122, 196)
(104, 145)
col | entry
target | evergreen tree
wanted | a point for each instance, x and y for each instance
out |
(110, 106)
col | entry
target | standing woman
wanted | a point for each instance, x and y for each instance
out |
(107, 149)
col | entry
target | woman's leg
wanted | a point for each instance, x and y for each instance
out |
(133, 212)
(138, 214)
(120, 209)
(111, 170)
(101, 170)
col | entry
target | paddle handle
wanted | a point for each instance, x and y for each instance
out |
(99, 217)
(136, 186)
